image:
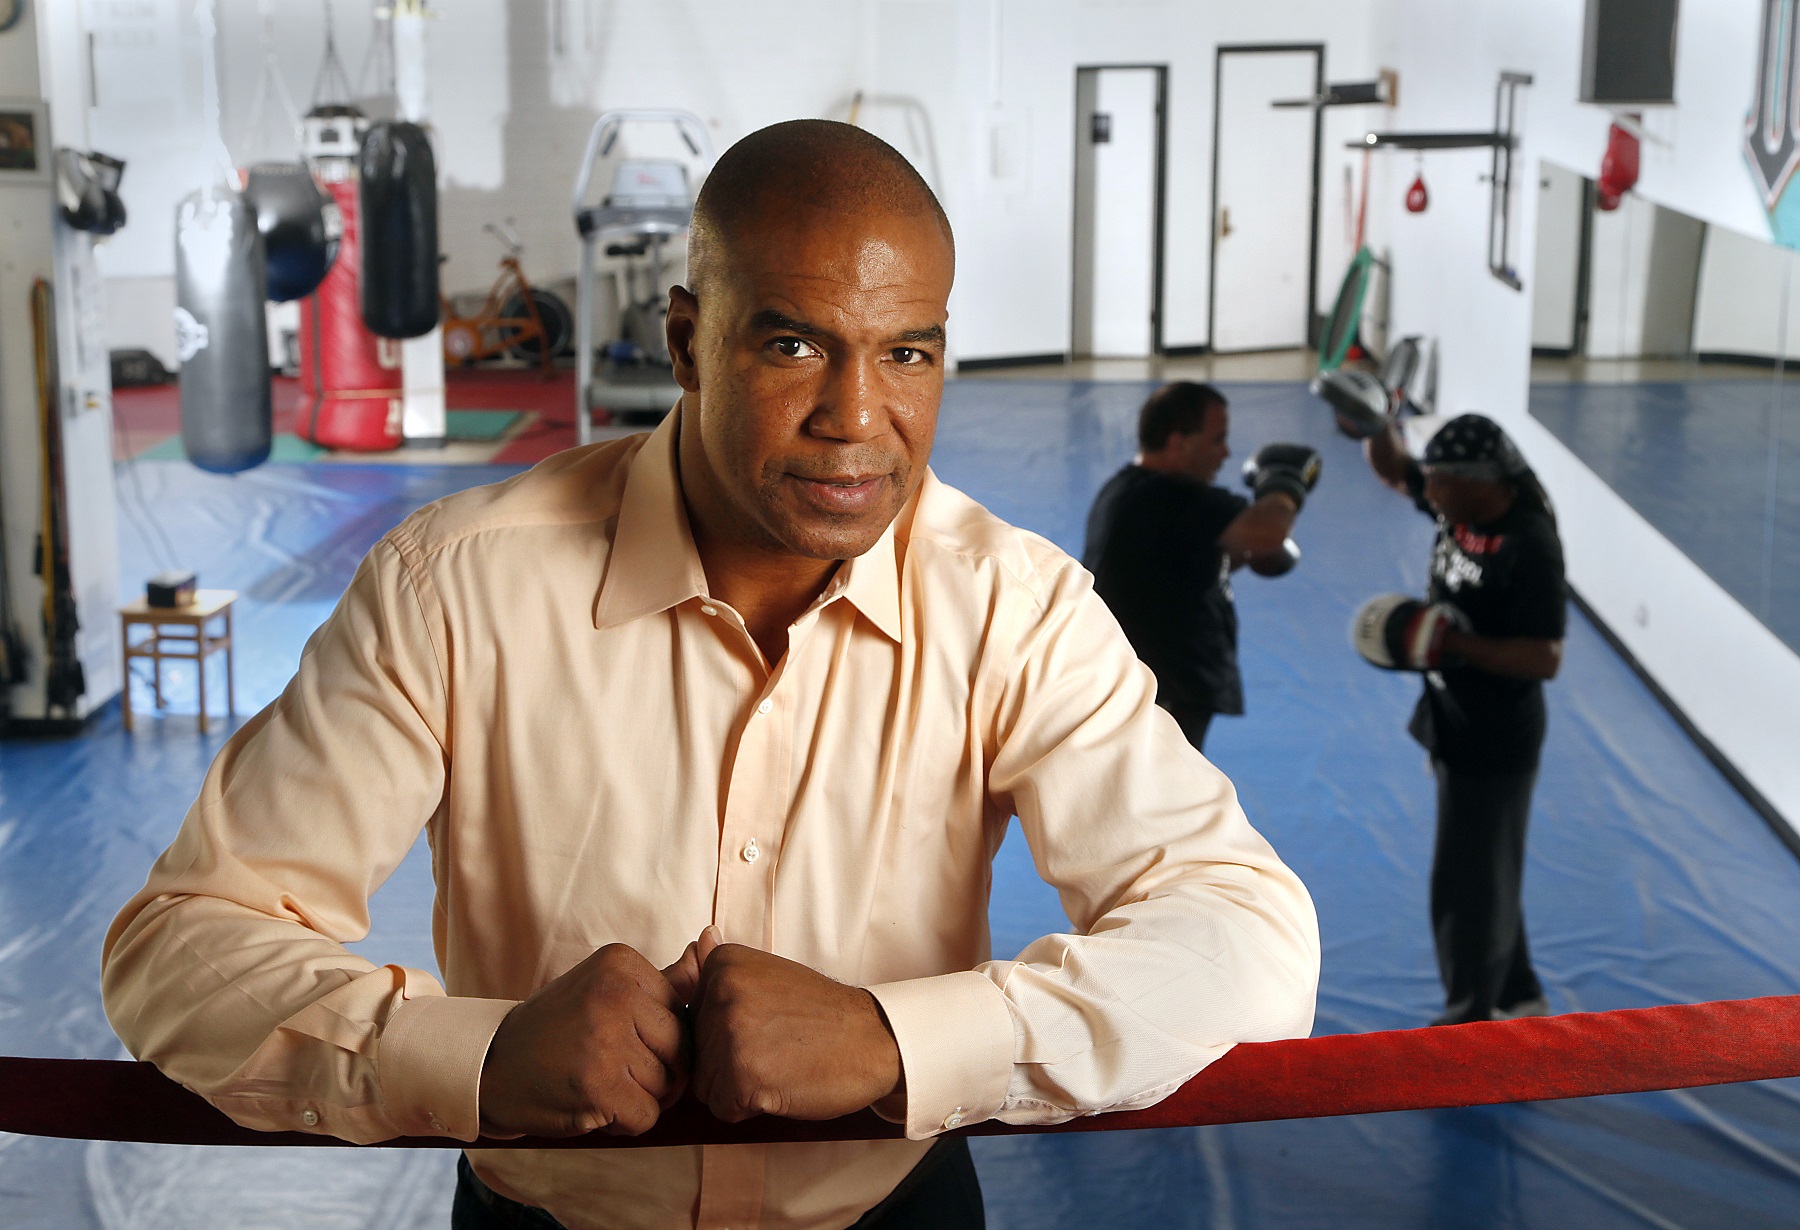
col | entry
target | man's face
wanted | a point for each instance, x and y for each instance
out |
(1462, 501)
(1205, 450)
(812, 369)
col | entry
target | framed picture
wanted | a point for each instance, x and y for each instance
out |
(25, 152)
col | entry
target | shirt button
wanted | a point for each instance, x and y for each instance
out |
(765, 707)
(709, 610)
(955, 1119)
(751, 853)
(310, 1118)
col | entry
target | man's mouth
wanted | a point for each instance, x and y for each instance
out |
(842, 493)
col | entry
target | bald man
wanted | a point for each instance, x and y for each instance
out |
(714, 733)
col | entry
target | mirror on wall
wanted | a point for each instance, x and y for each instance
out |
(1664, 355)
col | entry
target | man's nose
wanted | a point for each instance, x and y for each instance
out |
(851, 404)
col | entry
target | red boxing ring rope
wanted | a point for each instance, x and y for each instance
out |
(1579, 1055)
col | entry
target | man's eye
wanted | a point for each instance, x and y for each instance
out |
(793, 347)
(909, 355)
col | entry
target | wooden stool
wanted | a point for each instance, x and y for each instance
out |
(180, 632)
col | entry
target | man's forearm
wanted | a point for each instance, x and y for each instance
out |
(1387, 456)
(1261, 529)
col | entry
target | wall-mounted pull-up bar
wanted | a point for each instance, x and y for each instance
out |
(1383, 91)
(1431, 140)
(1503, 140)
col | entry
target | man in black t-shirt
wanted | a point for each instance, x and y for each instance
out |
(1497, 602)
(1162, 542)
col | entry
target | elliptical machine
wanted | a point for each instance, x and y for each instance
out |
(650, 202)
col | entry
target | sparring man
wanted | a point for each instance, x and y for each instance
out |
(1488, 635)
(1162, 543)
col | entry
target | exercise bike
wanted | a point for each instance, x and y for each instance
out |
(516, 318)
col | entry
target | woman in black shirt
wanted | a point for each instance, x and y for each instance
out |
(1498, 562)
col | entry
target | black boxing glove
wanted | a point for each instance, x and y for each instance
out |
(1398, 633)
(1292, 469)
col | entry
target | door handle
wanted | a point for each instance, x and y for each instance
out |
(1224, 222)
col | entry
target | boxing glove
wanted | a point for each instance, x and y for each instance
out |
(1618, 168)
(1277, 563)
(1398, 633)
(1359, 402)
(1292, 469)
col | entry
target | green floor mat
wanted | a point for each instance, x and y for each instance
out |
(483, 426)
(286, 448)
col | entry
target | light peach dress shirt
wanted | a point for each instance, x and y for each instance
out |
(535, 675)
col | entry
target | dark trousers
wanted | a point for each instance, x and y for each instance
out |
(940, 1192)
(1193, 722)
(1476, 874)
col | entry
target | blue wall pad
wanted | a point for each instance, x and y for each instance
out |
(1649, 880)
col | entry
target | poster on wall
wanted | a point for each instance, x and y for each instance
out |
(1771, 143)
(24, 140)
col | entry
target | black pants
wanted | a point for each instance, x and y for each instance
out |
(941, 1193)
(1193, 722)
(1476, 873)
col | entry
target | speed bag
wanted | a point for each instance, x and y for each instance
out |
(399, 230)
(300, 227)
(220, 332)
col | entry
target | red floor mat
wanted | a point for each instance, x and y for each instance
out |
(143, 418)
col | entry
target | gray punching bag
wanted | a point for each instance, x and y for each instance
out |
(300, 227)
(398, 199)
(220, 333)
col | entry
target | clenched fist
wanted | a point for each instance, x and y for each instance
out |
(774, 1037)
(599, 1048)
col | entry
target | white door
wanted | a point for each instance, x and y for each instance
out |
(1116, 212)
(1263, 201)
(1557, 268)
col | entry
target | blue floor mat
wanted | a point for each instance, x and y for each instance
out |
(1649, 880)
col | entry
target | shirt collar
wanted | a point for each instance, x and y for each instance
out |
(654, 565)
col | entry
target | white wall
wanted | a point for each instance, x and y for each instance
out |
(41, 60)
(1015, 241)
(1643, 272)
(516, 85)
(1733, 678)
(1746, 294)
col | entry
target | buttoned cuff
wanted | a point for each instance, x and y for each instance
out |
(956, 1047)
(429, 1063)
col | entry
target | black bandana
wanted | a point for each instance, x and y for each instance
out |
(1474, 446)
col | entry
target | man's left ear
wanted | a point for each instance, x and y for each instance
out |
(681, 327)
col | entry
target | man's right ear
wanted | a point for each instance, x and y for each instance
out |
(681, 327)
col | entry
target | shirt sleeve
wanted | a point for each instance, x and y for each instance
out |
(1209, 514)
(1190, 934)
(1536, 591)
(228, 970)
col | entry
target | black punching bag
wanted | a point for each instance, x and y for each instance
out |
(399, 230)
(300, 227)
(220, 332)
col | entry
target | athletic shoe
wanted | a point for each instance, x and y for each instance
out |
(1539, 1006)
(1446, 1018)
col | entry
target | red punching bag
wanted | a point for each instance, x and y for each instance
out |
(350, 378)
(1618, 168)
(1416, 196)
